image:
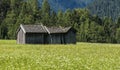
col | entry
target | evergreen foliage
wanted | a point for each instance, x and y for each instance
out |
(89, 28)
(109, 8)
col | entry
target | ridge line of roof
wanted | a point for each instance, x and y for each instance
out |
(47, 29)
(22, 28)
(43, 27)
(62, 28)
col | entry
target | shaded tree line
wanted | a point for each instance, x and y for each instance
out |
(109, 8)
(90, 28)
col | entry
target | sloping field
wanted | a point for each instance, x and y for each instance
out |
(83, 56)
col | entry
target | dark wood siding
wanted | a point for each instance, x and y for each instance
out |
(70, 37)
(56, 39)
(34, 38)
(45, 38)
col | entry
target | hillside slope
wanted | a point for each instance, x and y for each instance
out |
(109, 8)
(65, 4)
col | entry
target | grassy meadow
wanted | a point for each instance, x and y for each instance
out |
(82, 56)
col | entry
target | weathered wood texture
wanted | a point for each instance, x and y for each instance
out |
(70, 37)
(56, 39)
(21, 37)
(34, 38)
(25, 36)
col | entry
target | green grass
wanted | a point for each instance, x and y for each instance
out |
(83, 56)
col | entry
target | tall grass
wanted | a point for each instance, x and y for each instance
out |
(82, 56)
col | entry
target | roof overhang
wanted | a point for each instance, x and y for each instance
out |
(21, 26)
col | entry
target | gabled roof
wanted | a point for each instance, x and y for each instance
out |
(66, 29)
(43, 29)
(55, 30)
(33, 29)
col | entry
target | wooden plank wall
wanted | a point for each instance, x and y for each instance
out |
(70, 38)
(32, 38)
(21, 37)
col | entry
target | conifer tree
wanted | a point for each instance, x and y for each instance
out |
(45, 12)
(60, 18)
(118, 35)
(67, 18)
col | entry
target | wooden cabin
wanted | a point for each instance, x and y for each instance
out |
(39, 34)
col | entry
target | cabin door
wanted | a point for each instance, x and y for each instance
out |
(45, 39)
(63, 40)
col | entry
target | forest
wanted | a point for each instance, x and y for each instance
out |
(90, 28)
(109, 8)
(63, 4)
